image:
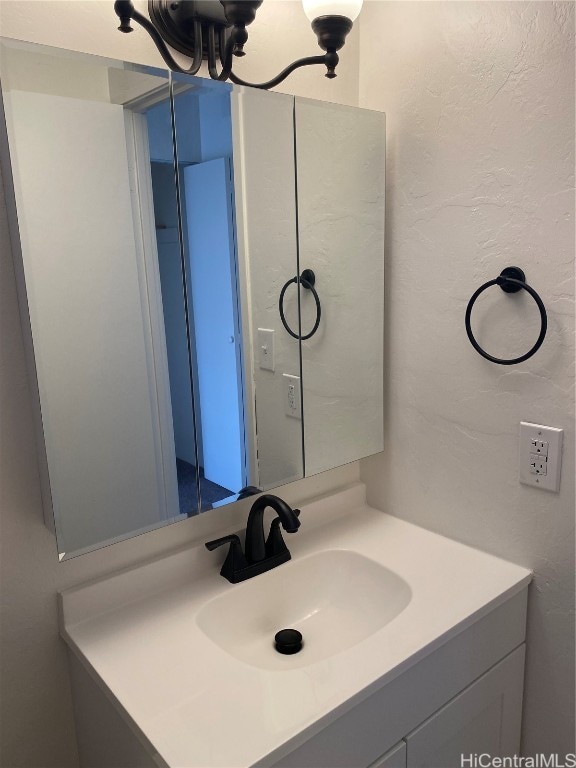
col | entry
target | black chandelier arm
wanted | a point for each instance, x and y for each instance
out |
(330, 30)
(226, 48)
(226, 52)
(330, 59)
(126, 12)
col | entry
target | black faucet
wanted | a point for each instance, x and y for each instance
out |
(260, 554)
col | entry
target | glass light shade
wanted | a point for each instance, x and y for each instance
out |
(348, 8)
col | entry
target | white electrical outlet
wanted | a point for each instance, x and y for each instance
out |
(292, 395)
(538, 465)
(266, 349)
(540, 456)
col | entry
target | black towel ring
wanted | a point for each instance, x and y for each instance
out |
(511, 280)
(307, 279)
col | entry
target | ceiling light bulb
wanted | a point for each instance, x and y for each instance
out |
(316, 8)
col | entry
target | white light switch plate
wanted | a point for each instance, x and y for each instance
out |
(266, 349)
(540, 456)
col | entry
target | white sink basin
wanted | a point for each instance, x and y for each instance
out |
(335, 598)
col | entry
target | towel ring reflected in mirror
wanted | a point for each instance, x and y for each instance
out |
(307, 279)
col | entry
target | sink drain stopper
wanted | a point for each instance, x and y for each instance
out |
(288, 641)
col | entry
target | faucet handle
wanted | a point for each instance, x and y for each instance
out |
(235, 559)
(232, 539)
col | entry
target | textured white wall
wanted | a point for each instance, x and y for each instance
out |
(479, 99)
(36, 710)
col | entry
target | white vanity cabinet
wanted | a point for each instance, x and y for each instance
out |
(168, 671)
(483, 717)
(394, 758)
(464, 698)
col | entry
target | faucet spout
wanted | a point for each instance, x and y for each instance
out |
(255, 543)
(259, 555)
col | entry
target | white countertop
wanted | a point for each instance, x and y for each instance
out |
(201, 707)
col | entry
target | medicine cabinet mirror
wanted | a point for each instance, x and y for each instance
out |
(157, 220)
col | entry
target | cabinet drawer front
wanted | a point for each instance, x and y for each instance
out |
(484, 718)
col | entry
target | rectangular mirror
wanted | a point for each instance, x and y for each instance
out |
(82, 133)
(204, 238)
(340, 157)
(265, 184)
(158, 220)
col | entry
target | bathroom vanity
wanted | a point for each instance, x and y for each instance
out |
(413, 653)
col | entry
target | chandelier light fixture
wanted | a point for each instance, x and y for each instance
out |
(216, 31)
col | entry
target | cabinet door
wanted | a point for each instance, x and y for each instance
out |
(395, 758)
(484, 718)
